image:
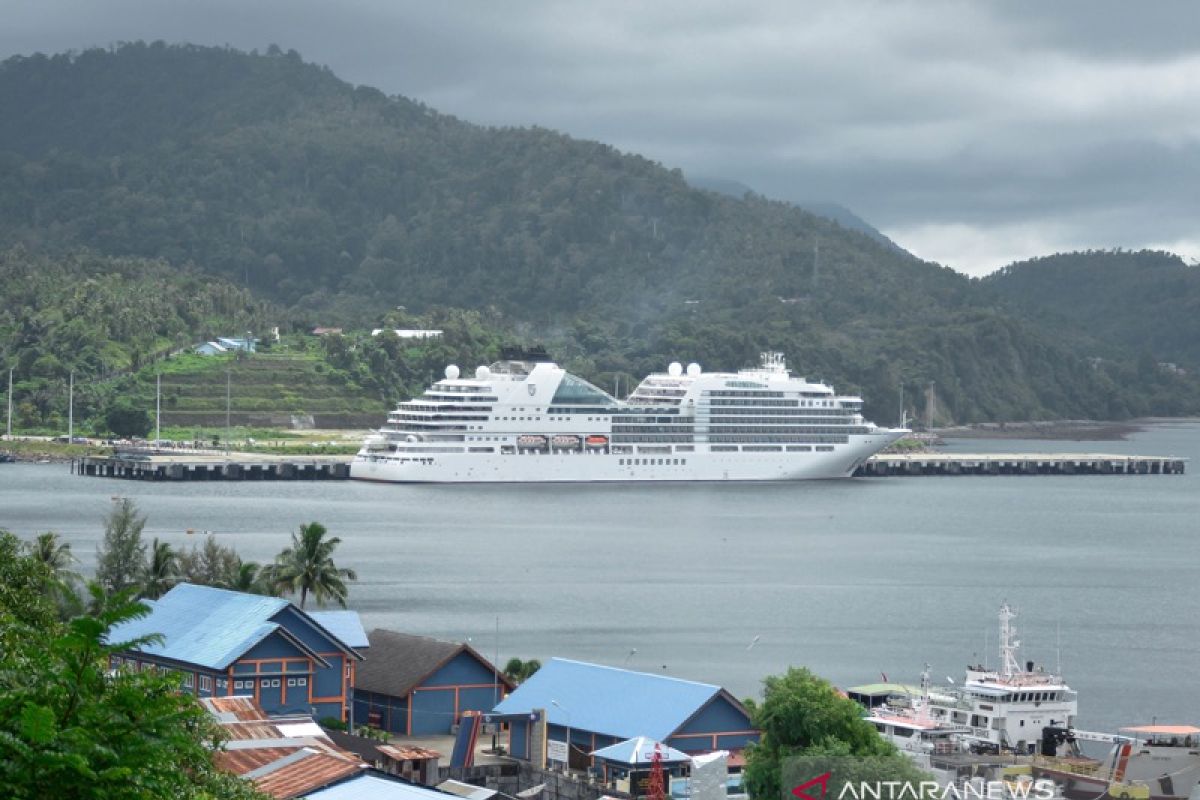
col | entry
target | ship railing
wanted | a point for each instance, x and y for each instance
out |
(1074, 765)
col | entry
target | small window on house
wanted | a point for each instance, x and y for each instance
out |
(205, 683)
(301, 681)
(347, 671)
(187, 680)
(291, 681)
(275, 683)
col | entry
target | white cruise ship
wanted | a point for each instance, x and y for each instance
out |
(525, 419)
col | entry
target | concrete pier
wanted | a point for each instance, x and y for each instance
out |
(918, 464)
(236, 467)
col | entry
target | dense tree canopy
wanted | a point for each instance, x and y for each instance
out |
(70, 727)
(802, 716)
(337, 205)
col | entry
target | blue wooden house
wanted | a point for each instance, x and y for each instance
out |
(228, 643)
(589, 706)
(417, 686)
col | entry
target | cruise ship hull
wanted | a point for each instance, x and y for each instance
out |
(605, 467)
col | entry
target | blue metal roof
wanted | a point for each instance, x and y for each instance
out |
(369, 787)
(202, 625)
(640, 750)
(345, 625)
(615, 702)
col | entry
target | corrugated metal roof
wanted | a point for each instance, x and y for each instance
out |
(202, 625)
(885, 689)
(370, 787)
(302, 777)
(467, 790)
(640, 750)
(239, 762)
(345, 625)
(406, 753)
(615, 702)
(230, 709)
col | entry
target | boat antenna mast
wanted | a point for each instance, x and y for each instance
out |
(1009, 665)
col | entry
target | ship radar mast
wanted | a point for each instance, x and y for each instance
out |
(773, 361)
(1009, 665)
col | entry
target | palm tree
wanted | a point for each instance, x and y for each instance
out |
(161, 570)
(56, 554)
(519, 671)
(307, 566)
(250, 577)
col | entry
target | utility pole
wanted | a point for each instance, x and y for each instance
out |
(71, 411)
(930, 400)
(228, 385)
(9, 426)
(816, 263)
(496, 674)
(158, 411)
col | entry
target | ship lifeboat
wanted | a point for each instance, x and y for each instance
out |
(565, 442)
(531, 442)
(597, 441)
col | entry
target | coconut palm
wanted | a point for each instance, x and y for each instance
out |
(307, 566)
(519, 671)
(161, 570)
(250, 577)
(56, 554)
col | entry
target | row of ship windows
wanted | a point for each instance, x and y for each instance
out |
(651, 462)
(783, 439)
(461, 390)
(767, 448)
(785, 429)
(735, 393)
(682, 427)
(781, 412)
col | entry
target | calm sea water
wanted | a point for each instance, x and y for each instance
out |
(730, 583)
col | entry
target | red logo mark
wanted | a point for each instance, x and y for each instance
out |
(822, 780)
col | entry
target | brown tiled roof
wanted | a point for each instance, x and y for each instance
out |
(399, 662)
(307, 775)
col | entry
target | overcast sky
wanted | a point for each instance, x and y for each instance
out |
(972, 133)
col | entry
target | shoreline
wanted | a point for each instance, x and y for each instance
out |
(1053, 430)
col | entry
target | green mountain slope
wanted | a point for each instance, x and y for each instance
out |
(1145, 301)
(341, 204)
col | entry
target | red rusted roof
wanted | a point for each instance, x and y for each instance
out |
(257, 729)
(242, 707)
(239, 762)
(407, 753)
(307, 775)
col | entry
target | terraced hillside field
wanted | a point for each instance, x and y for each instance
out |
(280, 390)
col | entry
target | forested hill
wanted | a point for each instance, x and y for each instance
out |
(1147, 301)
(275, 173)
(343, 203)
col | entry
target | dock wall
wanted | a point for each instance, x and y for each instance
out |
(915, 465)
